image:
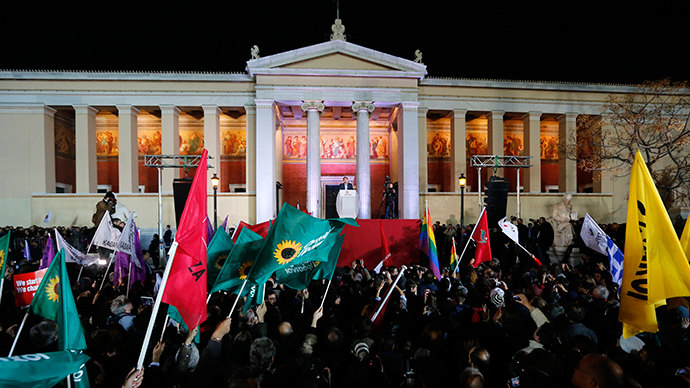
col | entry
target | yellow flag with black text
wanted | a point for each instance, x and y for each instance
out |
(655, 265)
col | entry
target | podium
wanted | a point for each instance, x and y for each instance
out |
(346, 204)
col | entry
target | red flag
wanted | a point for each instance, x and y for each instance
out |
(378, 321)
(480, 235)
(386, 260)
(186, 285)
(260, 229)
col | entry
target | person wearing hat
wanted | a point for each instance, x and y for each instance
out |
(107, 204)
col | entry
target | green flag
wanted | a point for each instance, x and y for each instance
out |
(239, 262)
(54, 300)
(294, 238)
(4, 249)
(254, 294)
(41, 369)
(216, 255)
(300, 275)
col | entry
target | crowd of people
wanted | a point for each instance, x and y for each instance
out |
(513, 321)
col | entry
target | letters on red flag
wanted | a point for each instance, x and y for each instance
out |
(186, 285)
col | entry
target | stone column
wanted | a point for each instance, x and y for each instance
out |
(363, 109)
(265, 160)
(495, 135)
(532, 135)
(212, 143)
(603, 179)
(458, 156)
(313, 109)
(128, 159)
(423, 160)
(85, 148)
(42, 149)
(567, 168)
(250, 158)
(408, 161)
(170, 143)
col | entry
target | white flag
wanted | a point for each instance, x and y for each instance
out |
(126, 242)
(72, 254)
(593, 237)
(509, 229)
(48, 217)
(106, 235)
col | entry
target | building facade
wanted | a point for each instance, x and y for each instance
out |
(304, 118)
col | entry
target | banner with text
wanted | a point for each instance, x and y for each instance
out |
(25, 286)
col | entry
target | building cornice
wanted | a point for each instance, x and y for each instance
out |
(159, 76)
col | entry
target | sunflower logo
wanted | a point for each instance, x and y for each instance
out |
(53, 289)
(286, 251)
(2, 258)
(245, 268)
(220, 260)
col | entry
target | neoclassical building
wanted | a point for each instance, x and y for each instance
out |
(304, 118)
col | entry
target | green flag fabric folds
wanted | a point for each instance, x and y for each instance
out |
(294, 238)
(239, 262)
(217, 252)
(41, 369)
(299, 276)
(4, 250)
(54, 300)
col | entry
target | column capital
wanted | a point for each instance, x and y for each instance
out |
(127, 109)
(409, 105)
(568, 116)
(459, 112)
(312, 105)
(211, 110)
(422, 112)
(495, 113)
(85, 110)
(531, 115)
(250, 109)
(363, 106)
(169, 110)
(263, 103)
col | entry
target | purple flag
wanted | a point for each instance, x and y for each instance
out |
(48, 254)
(225, 225)
(27, 253)
(209, 230)
(122, 261)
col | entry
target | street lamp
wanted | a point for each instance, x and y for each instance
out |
(462, 181)
(215, 181)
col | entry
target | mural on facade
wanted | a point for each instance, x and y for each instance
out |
(149, 142)
(233, 143)
(191, 142)
(107, 143)
(549, 147)
(513, 145)
(438, 144)
(334, 146)
(476, 144)
(64, 142)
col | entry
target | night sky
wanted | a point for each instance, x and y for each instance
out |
(580, 42)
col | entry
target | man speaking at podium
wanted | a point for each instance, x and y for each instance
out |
(346, 185)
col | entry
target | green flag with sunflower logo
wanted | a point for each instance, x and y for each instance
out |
(239, 262)
(294, 238)
(54, 300)
(216, 255)
(300, 275)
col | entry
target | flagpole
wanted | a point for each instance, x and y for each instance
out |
(110, 262)
(156, 306)
(388, 294)
(79, 276)
(129, 277)
(239, 294)
(2, 285)
(470, 237)
(165, 326)
(326, 292)
(16, 338)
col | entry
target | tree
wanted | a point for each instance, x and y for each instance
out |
(654, 119)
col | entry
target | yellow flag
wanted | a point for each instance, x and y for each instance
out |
(655, 265)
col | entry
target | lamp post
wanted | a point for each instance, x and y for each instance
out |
(215, 181)
(462, 181)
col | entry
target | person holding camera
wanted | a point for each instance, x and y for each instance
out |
(390, 195)
(107, 204)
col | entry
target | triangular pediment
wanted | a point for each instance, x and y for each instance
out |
(336, 57)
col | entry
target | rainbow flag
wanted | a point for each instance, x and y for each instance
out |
(454, 259)
(427, 243)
